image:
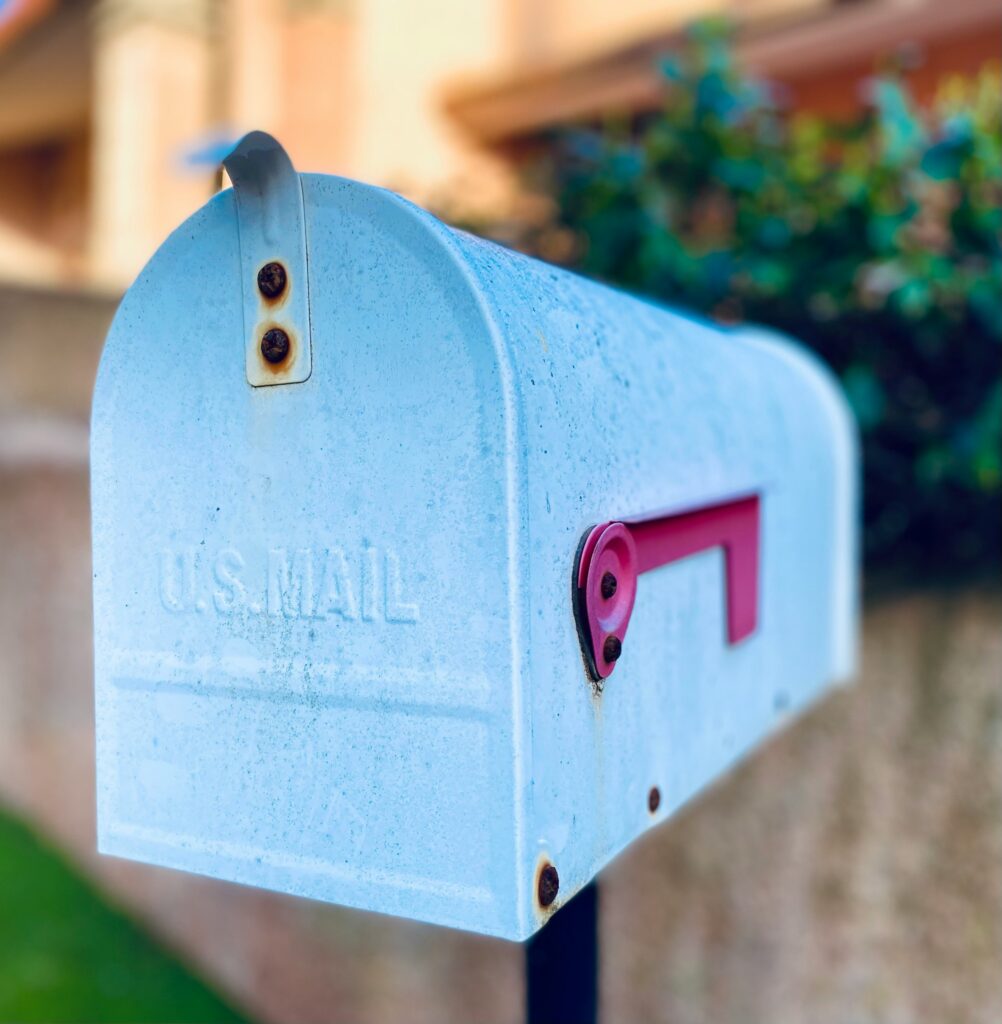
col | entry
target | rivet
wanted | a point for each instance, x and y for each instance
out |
(548, 886)
(612, 648)
(271, 280)
(609, 585)
(275, 345)
(654, 799)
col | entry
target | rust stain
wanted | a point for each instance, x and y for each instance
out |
(612, 648)
(271, 335)
(547, 885)
(273, 284)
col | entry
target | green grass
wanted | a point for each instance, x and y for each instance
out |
(66, 955)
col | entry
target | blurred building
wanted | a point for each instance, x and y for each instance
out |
(115, 111)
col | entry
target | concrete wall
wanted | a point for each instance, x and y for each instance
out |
(50, 343)
(852, 871)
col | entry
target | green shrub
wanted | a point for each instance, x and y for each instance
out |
(877, 242)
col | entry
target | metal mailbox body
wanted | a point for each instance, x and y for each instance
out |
(336, 648)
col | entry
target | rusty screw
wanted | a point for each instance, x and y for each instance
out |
(275, 345)
(612, 648)
(654, 799)
(609, 585)
(271, 280)
(549, 885)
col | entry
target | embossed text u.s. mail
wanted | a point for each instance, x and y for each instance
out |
(366, 585)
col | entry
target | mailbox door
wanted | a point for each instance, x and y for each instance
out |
(305, 602)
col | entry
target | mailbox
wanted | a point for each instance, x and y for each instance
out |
(428, 576)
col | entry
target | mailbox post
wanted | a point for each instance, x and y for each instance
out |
(561, 964)
(427, 576)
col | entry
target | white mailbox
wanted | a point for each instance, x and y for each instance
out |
(428, 576)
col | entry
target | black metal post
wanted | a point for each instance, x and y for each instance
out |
(561, 964)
